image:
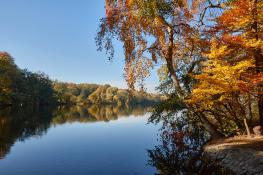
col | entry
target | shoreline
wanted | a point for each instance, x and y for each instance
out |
(239, 154)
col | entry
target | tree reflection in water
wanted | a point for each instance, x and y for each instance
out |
(180, 149)
(18, 124)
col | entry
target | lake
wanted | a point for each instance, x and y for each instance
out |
(99, 140)
(76, 140)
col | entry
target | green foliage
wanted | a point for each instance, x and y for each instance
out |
(22, 86)
(9, 75)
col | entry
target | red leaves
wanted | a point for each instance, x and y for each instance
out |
(232, 39)
(178, 138)
(4, 54)
(257, 79)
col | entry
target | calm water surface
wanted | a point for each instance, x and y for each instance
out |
(77, 140)
(94, 140)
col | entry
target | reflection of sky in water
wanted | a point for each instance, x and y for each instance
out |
(114, 147)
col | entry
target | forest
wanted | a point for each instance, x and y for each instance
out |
(210, 52)
(23, 87)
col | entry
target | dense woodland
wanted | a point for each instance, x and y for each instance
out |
(22, 87)
(210, 52)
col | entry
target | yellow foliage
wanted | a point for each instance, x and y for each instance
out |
(163, 73)
(219, 79)
(230, 67)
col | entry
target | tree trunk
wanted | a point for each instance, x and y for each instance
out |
(170, 65)
(210, 127)
(247, 128)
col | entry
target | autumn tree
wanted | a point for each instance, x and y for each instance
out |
(241, 28)
(165, 31)
(8, 76)
(19, 86)
(230, 85)
(222, 90)
(151, 31)
(232, 76)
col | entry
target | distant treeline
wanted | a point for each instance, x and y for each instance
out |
(20, 86)
(101, 94)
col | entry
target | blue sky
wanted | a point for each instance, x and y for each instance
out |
(57, 37)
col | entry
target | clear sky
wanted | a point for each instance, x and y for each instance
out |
(57, 37)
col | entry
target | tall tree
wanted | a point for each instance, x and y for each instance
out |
(8, 76)
(168, 31)
(151, 31)
(240, 30)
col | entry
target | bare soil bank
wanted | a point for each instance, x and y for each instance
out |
(240, 154)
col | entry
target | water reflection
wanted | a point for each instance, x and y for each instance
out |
(180, 150)
(95, 113)
(117, 146)
(18, 124)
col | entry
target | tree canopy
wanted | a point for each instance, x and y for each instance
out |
(210, 51)
(22, 86)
